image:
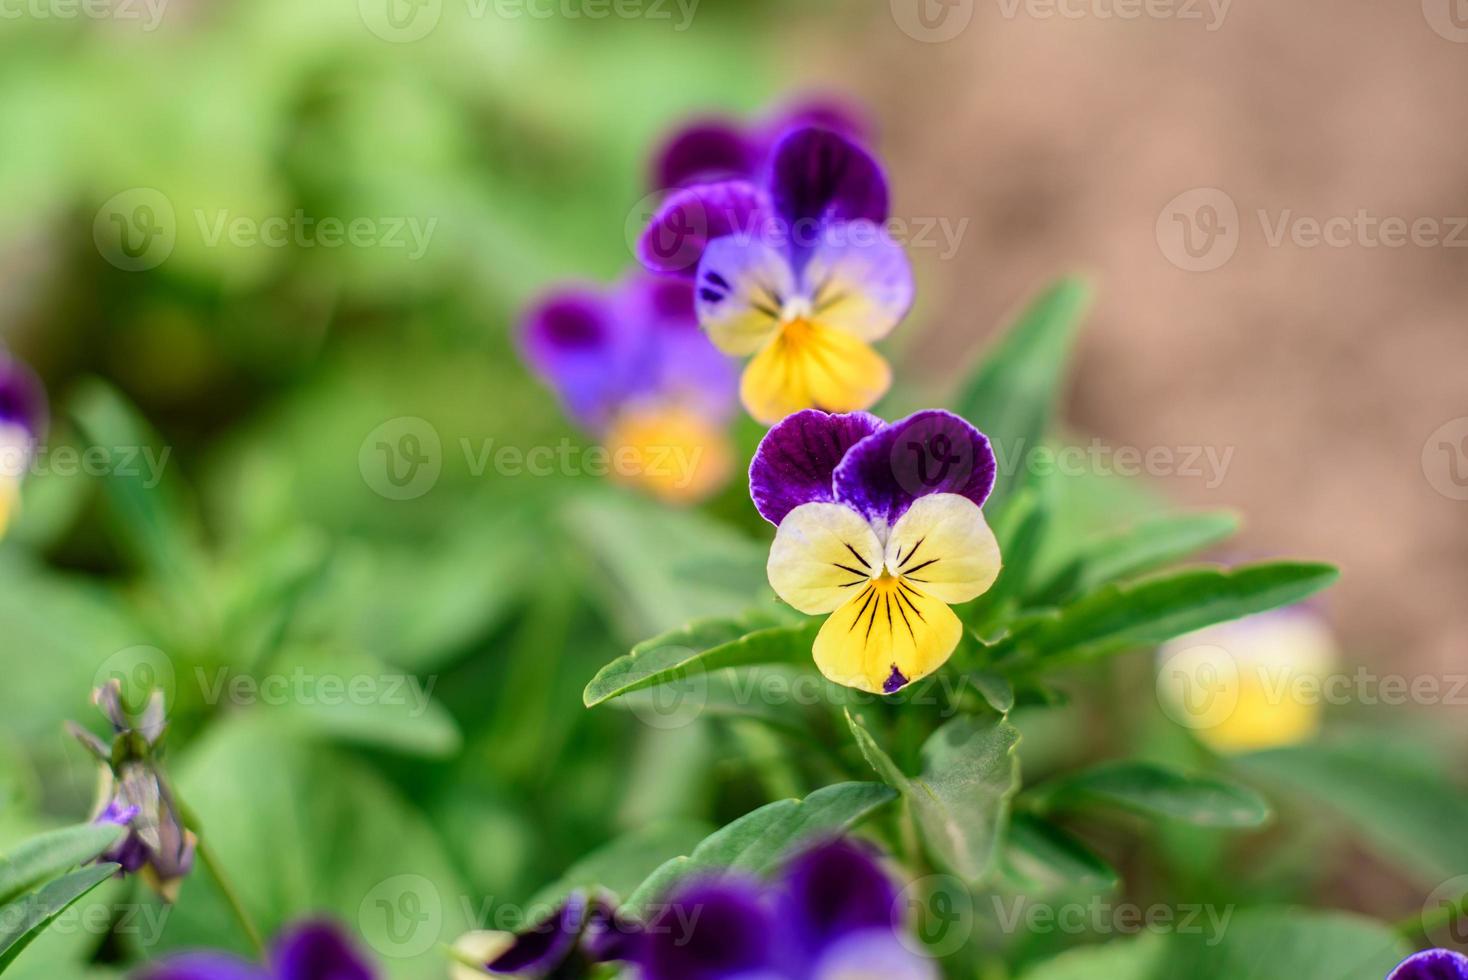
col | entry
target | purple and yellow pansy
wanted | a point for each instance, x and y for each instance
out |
(794, 271)
(880, 525)
(633, 369)
(22, 423)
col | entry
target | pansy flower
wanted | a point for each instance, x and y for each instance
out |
(794, 271)
(582, 931)
(712, 148)
(832, 914)
(632, 369)
(22, 423)
(1432, 964)
(305, 951)
(879, 525)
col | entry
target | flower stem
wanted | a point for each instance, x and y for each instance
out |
(211, 861)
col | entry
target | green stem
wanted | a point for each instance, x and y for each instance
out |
(211, 861)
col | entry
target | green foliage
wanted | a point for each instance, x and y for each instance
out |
(1154, 791)
(47, 856)
(22, 920)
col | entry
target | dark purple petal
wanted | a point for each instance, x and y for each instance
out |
(929, 452)
(705, 150)
(796, 459)
(318, 951)
(1432, 964)
(608, 937)
(547, 944)
(203, 966)
(708, 931)
(817, 176)
(689, 219)
(834, 890)
(876, 953)
(572, 339)
(22, 397)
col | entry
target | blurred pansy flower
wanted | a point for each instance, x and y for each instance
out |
(632, 369)
(583, 931)
(1251, 684)
(305, 951)
(831, 915)
(795, 271)
(879, 525)
(1432, 964)
(712, 148)
(22, 424)
(134, 793)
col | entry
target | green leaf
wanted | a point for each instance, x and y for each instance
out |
(1155, 791)
(23, 920)
(1040, 857)
(1406, 808)
(1146, 546)
(758, 842)
(621, 865)
(1154, 610)
(1012, 396)
(996, 691)
(49, 854)
(1256, 944)
(702, 646)
(961, 800)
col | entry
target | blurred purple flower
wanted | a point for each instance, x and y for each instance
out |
(306, 951)
(135, 793)
(23, 417)
(1432, 964)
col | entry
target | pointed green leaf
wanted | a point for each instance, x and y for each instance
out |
(48, 855)
(1013, 394)
(1142, 548)
(702, 646)
(961, 800)
(24, 919)
(758, 842)
(1155, 791)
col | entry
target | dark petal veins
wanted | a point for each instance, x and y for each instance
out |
(709, 931)
(930, 452)
(834, 890)
(1432, 964)
(818, 176)
(796, 459)
(318, 951)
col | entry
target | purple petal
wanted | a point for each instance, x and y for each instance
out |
(877, 953)
(545, 945)
(318, 951)
(822, 112)
(834, 890)
(689, 219)
(796, 459)
(608, 937)
(203, 966)
(705, 150)
(22, 397)
(709, 931)
(817, 176)
(1432, 964)
(681, 363)
(574, 341)
(929, 452)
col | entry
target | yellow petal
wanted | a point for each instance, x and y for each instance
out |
(742, 287)
(943, 546)
(675, 453)
(886, 637)
(810, 366)
(822, 556)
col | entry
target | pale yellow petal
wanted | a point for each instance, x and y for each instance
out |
(886, 637)
(822, 556)
(944, 546)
